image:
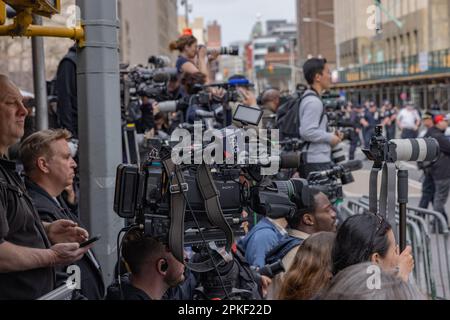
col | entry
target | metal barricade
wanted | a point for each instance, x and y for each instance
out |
(430, 249)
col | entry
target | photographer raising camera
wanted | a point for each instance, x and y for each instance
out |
(193, 58)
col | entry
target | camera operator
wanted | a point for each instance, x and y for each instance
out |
(29, 249)
(313, 122)
(270, 101)
(192, 58)
(319, 217)
(152, 270)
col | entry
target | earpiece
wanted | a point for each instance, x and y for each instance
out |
(164, 265)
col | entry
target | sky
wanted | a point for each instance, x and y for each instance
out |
(237, 17)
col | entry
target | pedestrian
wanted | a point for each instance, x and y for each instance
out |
(408, 121)
(440, 170)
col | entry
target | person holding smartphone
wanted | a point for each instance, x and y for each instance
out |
(29, 248)
(49, 169)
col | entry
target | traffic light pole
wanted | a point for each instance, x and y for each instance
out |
(40, 84)
(99, 126)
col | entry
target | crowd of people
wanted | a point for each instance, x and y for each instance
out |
(41, 229)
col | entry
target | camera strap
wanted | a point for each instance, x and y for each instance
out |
(210, 194)
(177, 209)
(388, 195)
(373, 188)
(177, 213)
(387, 205)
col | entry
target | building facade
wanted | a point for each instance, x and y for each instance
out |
(410, 57)
(146, 28)
(316, 33)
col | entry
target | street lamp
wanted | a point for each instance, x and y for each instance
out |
(326, 23)
(332, 26)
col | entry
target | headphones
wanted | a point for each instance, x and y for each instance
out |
(164, 265)
(259, 99)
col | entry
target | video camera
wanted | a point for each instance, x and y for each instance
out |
(151, 81)
(334, 109)
(330, 181)
(158, 191)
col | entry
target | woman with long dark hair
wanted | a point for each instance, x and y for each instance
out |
(369, 238)
(311, 270)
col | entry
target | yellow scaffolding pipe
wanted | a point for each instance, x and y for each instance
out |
(23, 27)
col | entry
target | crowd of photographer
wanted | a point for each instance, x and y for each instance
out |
(297, 245)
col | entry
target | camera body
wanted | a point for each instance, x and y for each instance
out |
(144, 193)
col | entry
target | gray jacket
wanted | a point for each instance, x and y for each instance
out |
(315, 131)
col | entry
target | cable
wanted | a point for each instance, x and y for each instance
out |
(204, 240)
(119, 253)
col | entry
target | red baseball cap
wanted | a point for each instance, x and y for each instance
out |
(439, 118)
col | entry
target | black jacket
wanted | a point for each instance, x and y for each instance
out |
(129, 292)
(66, 88)
(92, 285)
(440, 170)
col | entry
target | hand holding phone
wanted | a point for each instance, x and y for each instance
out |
(91, 240)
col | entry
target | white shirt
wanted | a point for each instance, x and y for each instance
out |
(408, 117)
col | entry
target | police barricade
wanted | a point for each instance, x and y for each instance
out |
(439, 243)
(431, 258)
(62, 293)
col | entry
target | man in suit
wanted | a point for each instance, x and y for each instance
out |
(49, 169)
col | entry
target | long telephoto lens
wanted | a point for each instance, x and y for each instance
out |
(290, 160)
(231, 51)
(416, 149)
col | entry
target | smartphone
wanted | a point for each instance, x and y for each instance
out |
(91, 240)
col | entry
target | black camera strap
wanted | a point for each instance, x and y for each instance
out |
(177, 209)
(388, 195)
(177, 213)
(387, 205)
(210, 194)
(373, 188)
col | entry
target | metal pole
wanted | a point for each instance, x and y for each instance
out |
(186, 3)
(40, 84)
(292, 64)
(99, 126)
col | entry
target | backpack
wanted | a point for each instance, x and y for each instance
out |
(288, 121)
(282, 249)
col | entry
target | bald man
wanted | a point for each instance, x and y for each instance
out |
(29, 249)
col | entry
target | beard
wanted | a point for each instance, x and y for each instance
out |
(174, 280)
